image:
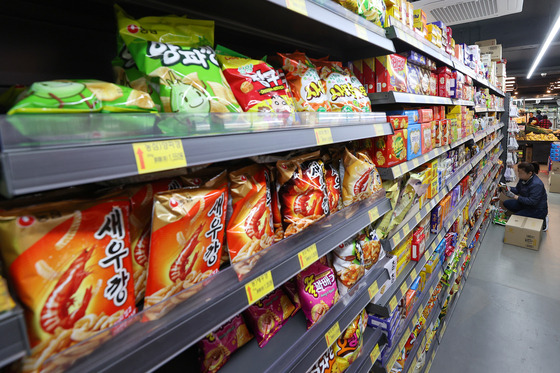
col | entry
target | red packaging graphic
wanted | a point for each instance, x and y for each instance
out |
(391, 73)
(368, 77)
(425, 115)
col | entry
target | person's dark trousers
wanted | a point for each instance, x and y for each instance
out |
(517, 208)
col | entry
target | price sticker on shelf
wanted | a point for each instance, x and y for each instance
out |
(397, 238)
(393, 303)
(404, 288)
(308, 256)
(393, 359)
(361, 32)
(415, 162)
(427, 255)
(153, 156)
(414, 320)
(323, 136)
(413, 274)
(297, 6)
(332, 334)
(373, 289)
(432, 290)
(373, 214)
(374, 354)
(259, 287)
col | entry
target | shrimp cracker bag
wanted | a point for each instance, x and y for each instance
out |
(251, 227)
(141, 203)
(178, 51)
(303, 192)
(338, 86)
(266, 316)
(307, 88)
(361, 178)
(71, 266)
(188, 228)
(317, 291)
(348, 263)
(217, 347)
(371, 247)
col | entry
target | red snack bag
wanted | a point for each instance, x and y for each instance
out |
(333, 181)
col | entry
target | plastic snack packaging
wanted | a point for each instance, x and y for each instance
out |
(218, 346)
(305, 84)
(257, 86)
(141, 202)
(71, 267)
(360, 179)
(290, 288)
(250, 228)
(332, 179)
(178, 51)
(275, 206)
(6, 301)
(187, 235)
(359, 92)
(348, 263)
(392, 192)
(371, 247)
(266, 316)
(303, 191)
(338, 86)
(373, 11)
(317, 291)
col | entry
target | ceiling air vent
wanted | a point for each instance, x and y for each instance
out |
(452, 12)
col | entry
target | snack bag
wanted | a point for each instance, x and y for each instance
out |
(141, 203)
(348, 347)
(71, 267)
(267, 315)
(371, 247)
(360, 178)
(275, 206)
(255, 84)
(187, 235)
(359, 92)
(290, 288)
(332, 179)
(217, 347)
(119, 99)
(303, 192)
(317, 291)
(338, 86)
(348, 263)
(305, 84)
(392, 192)
(6, 301)
(179, 52)
(250, 228)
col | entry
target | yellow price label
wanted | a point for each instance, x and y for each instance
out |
(397, 238)
(323, 136)
(361, 32)
(308, 256)
(393, 303)
(297, 6)
(375, 354)
(332, 334)
(373, 214)
(427, 255)
(415, 162)
(432, 290)
(415, 320)
(404, 288)
(413, 274)
(156, 156)
(373, 289)
(259, 287)
(393, 359)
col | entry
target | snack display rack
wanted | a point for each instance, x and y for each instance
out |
(13, 344)
(385, 98)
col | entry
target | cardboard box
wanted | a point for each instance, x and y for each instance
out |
(554, 167)
(425, 115)
(358, 70)
(391, 73)
(486, 43)
(494, 50)
(426, 137)
(414, 141)
(391, 267)
(411, 114)
(414, 75)
(554, 181)
(390, 150)
(523, 232)
(398, 122)
(368, 74)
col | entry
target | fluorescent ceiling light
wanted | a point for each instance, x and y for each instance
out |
(542, 99)
(510, 77)
(545, 46)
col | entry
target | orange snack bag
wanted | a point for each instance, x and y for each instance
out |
(305, 84)
(338, 86)
(187, 235)
(361, 178)
(71, 266)
(250, 228)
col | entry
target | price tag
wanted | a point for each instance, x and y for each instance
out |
(297, 6)
(323, 136)
(308, 256)
(415, 162)
(373, 214)
(404, 288)
(332, 334)
(427, 255)
(418, 217)
(432, 290)
(156, 156)
(373, 289)
(393, 359)
(361, 32)
(397, 238)
(413, 274)
(374, 354)
(259, 287)
(393, 303)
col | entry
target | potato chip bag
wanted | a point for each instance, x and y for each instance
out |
(267, 315)
(71, 267)
(303, 191)
(360, 179)
(179, 52)
(305, 84)
(360, 93)
(371, 247)
(6, 301)
(250, 228)
(256, 85)
(338, 86)
(348, 347)
(317, 291)
(141, 201)
(217, 347)
(187, 234)
(348, 263)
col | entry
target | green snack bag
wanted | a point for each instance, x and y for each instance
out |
(117, 99)
(178, 51)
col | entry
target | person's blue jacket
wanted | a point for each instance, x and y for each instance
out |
(532, 193)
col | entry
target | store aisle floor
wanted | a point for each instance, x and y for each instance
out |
(507, 317)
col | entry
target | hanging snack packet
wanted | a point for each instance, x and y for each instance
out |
(317, 291)
(179, 52)
(187, 235)
(267, 315)
(303, 192)
(360, 179)
(71, 267)
(371, 247)
(338, 86)
(305, 84)
(348, 263)
(360, 93)
(141, 201)
(218, 346)
(250, 228)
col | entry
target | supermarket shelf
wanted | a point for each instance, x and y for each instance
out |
(475, 253)
(40, 167)
(298, 348)
(463, 68)
(146, 345)
(405, 38)
(386, 98)
(371, 350)
(13, 344)
(463, 102)
(482, 134)
(431, 354)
